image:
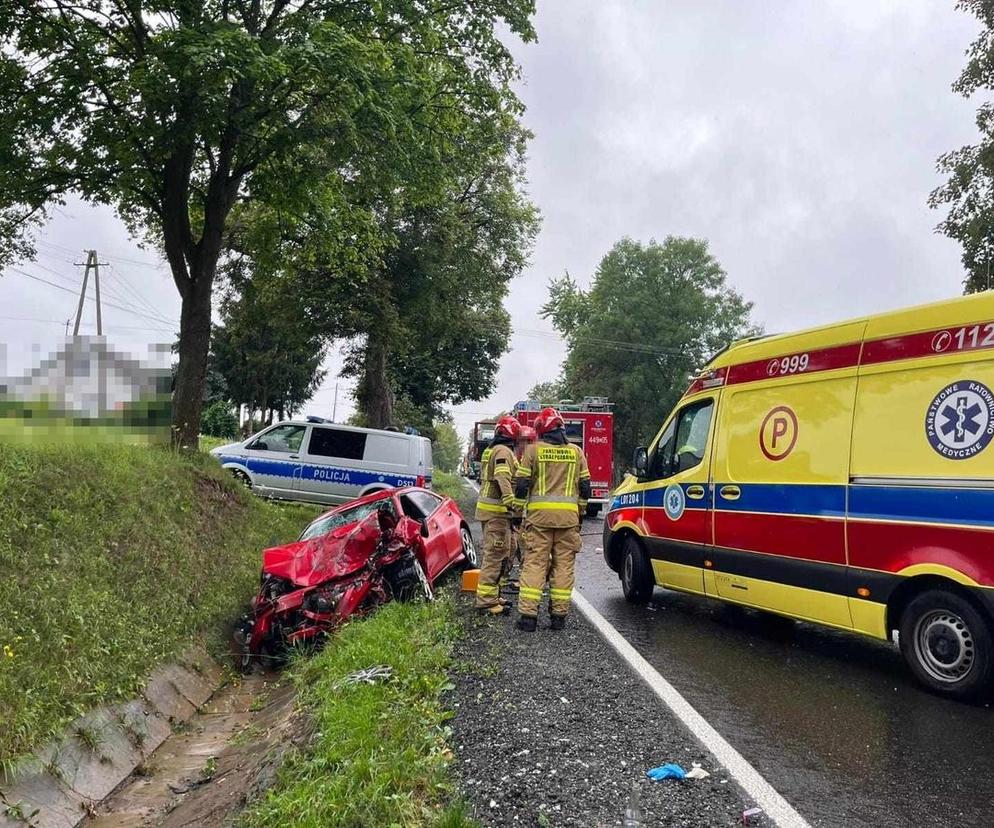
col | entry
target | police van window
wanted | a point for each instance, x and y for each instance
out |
(284, 438)
(334, 442)
(682, 445)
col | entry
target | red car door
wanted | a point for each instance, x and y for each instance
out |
(423, 507)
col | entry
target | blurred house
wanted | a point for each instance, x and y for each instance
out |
(87, 378)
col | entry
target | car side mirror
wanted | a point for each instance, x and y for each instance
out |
(640, 461)
(424, 529)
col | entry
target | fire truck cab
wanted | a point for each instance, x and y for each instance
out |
(589, 425)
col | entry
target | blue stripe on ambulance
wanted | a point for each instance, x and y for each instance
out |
(908, 504)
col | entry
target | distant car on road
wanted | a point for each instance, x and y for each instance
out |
(447, 537)
(320, 462)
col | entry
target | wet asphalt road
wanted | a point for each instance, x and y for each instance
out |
(833, 721)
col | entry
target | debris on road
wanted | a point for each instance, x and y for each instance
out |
(697, 772)
(575, 765)
(748, 815)
(667, 771)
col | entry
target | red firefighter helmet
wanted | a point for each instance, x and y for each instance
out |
(507, 426)
(528, 434)
(548, 420)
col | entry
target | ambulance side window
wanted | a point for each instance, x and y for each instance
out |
(682, 445)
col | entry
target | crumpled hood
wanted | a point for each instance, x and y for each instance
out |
(325, 558)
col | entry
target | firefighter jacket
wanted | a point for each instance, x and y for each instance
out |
(497, 468)
(552, 482)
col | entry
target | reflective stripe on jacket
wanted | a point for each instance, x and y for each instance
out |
(497, 468)
(553, 481)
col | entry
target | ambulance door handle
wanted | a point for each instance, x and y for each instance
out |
(695, 492)
(730, 492)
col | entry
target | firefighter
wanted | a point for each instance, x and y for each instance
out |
(495, 509)
(552, 484)
(516, 557)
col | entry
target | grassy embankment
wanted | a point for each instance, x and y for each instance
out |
(379, 754)
(113, 558)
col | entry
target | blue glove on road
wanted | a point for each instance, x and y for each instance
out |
(669, 771)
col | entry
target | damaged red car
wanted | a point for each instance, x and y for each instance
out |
(390, 545)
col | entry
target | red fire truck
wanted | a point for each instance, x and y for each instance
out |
(483, 432)
(590, 425)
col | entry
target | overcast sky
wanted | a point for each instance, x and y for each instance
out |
(799, 138)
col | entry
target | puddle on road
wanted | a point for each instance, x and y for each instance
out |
(213, 764)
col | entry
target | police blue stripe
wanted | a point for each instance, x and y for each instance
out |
(923, 504)
(324, 474)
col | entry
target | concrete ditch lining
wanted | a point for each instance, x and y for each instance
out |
(59, 785)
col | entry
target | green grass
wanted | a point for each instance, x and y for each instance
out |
(379, 755)
(446, 483)
(114, 558)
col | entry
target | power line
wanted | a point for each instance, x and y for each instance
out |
(109, 304)
(611, 344)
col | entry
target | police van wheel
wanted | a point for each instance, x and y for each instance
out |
(637, 579)
(241, 477)
(948, 645)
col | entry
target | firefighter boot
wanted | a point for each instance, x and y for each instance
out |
(527, 623)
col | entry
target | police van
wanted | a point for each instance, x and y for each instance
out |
(322, 462)
(842, 475)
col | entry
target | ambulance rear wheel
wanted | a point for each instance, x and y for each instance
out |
(637, 579)
(948, 645)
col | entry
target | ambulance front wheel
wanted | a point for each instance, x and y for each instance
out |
(947, 642)
(637, 579)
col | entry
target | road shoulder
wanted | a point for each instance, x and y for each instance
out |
(554, 729)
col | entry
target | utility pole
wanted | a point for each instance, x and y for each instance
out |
(91, 262)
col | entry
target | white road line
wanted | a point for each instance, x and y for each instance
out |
(473, 483)
(762, 792)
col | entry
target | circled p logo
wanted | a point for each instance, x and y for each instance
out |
(778, 433)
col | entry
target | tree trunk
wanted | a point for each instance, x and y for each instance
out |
(194, 343)
(375, 397)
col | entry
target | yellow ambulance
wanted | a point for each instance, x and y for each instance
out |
(842, 475)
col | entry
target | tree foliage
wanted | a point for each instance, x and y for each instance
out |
(267, 356)
(432, 320)
(653, 315)
(969, 191)
(183, 114)
(446, 448)
(551, 391)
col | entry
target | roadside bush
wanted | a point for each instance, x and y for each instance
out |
(114, 557)
(219, 421)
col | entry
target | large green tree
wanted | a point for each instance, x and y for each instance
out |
(652, 316)
(433, 324)
(180, 114)
(268, 358)
(968, 194)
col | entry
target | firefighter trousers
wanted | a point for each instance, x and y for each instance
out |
(496, 548)
(549, 553)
